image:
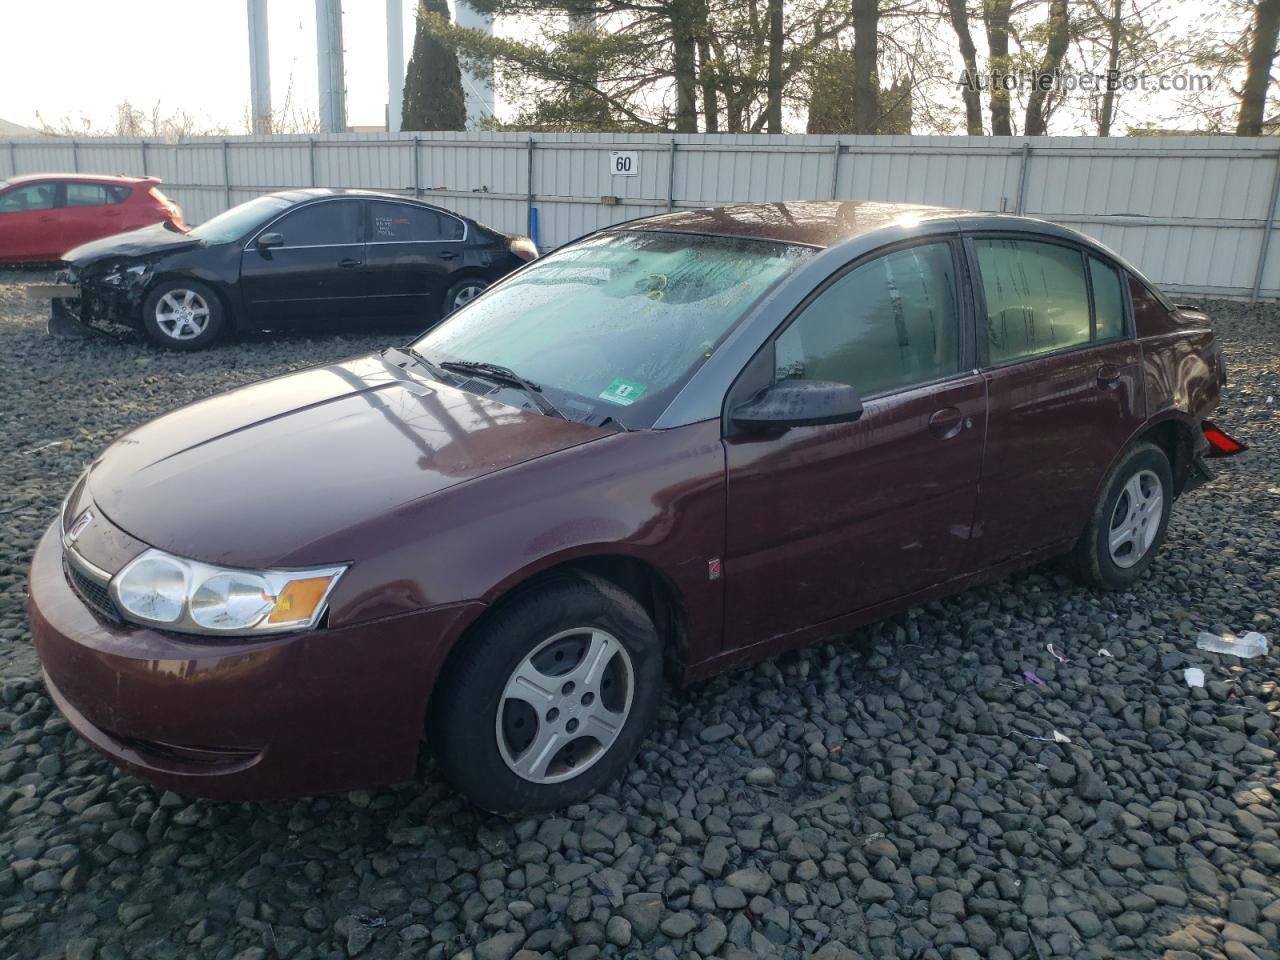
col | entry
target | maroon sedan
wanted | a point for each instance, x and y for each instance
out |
(44, 215)
(672, 447)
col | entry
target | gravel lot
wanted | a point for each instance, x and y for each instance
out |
(884, 796)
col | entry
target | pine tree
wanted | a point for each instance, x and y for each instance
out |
(433, 83)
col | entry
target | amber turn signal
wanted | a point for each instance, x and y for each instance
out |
(299, 599)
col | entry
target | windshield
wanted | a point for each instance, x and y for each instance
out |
(612, 327)
(236, 222)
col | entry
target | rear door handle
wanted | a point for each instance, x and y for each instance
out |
(948, 422)
(1109, 376)
(347, 263)
(448, 255)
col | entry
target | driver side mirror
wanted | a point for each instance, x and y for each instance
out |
(268, 241)
(798, 403)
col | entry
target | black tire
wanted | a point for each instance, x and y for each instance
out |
(206, 310)
(464, 724)
(1093, 559)
(460, 288)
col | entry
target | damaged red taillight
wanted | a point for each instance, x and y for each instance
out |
(1220, 444)
(524, 248)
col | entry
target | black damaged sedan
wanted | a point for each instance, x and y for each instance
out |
(292, 260)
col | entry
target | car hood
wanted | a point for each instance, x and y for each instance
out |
(156, 238)
(255, 477)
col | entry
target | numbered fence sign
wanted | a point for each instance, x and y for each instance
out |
(624, 163)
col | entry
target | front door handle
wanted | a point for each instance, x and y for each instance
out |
(448, 255)
(1109, 376)
(347, 263)
(948, 422)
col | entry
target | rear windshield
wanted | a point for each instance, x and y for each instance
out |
(613, 326)
(236, 222)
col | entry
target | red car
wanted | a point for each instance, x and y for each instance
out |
(670, 448)
(43, 215)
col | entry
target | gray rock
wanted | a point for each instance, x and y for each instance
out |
(750, 881)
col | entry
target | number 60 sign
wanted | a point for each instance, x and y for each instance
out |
(624, 163)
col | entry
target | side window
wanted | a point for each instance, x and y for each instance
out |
(330, 222)
(36, 196)
(1108, 301)
(1037, 298)
(889, 323)
(94, 194)
(404, 223)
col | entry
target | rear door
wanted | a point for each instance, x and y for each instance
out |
(827, 520)
(411, 253)
(1065, 387)
(91, 211)
(318, 274)
(29, 223)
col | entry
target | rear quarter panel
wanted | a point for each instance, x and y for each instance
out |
(1181, 360)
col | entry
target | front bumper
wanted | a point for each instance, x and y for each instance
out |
(316, 712)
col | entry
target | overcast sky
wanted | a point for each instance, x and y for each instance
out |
(67, 58)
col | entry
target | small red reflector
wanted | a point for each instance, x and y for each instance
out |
(1221, 445)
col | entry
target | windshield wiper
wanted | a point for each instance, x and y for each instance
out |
(500, 374)
(422, 359)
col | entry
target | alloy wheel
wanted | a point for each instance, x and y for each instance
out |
(466, 294)
(1136, 519)
(564, 705)
(182, 314)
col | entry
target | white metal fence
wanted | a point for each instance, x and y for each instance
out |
(1197, 214)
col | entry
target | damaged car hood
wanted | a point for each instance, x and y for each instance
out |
(155, 239)
(252, 477)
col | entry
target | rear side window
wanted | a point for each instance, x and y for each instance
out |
(1037, 298)
(885, 325)
(1108, 300)
(35, 196)
(94, 194)
(405, 223)
(321, 224)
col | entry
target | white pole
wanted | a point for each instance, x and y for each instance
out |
(395, 64)
(333, 118)
(259, 68)
(477, 93)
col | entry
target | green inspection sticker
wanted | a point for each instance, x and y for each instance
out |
(623, 392)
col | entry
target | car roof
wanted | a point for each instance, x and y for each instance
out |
(78, 177)
(312, 193)
(818, 223)
(828, 223)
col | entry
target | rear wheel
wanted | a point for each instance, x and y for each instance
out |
(183, 315)
(550, 699)
(462, 293)
(1128, 524)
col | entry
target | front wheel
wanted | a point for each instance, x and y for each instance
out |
(183, 315)
(548, 702)
(1128, 523)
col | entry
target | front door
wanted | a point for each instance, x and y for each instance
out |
(827, 520)
(1065, 387)
(318, 274)
(411, 254)
(30, 223)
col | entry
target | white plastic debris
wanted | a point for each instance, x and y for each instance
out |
(1252, 644)
(1104, 652)
(1194, 676)
(1053, 652)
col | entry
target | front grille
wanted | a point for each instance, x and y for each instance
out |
(93, 593)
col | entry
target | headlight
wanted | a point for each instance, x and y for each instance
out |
(163, 590)
(121, 276)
